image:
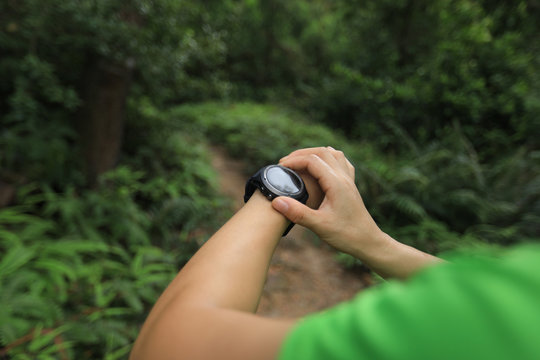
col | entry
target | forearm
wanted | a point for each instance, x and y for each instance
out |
(229, 271)
(392, 259)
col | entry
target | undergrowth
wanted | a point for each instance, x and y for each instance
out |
(436, 197)
(81, 267)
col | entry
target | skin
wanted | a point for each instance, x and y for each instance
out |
(342, 219)
(207, 311)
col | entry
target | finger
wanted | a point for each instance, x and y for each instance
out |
(313, 188)
(315, 166)
(295, 211)
(325, 153)
(305, 151)
(344, 162)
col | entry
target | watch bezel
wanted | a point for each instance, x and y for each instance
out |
(276, 191)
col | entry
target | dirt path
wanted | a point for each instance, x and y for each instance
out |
(304, 276)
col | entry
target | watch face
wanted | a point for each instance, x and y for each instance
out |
(283, 180)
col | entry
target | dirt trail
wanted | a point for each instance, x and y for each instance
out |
(304, 276)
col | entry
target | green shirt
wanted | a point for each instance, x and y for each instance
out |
(472, 308)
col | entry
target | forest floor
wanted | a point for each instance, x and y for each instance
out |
(304, 275)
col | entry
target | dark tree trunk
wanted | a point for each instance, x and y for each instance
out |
(7, 194)
(101, 121)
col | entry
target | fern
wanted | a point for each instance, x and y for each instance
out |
(47, 283)
(403, 204)
(91, 262)
(444, 181)
(15, 258)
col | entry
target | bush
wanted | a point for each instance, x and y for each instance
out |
(81, 267)
(259, 134)
(426, 65)
(62, 293)
(149, 47)
(435, 197)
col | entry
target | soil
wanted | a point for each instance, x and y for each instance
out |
(304, 276)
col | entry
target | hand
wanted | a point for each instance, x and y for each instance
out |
(315, 192)
(341, 220)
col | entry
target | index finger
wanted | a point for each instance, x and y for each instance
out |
(315, 166)
(334, 158)
(305, 151)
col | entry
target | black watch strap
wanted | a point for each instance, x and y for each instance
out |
(255, 183)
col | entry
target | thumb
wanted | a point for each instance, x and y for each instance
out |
(295, 211)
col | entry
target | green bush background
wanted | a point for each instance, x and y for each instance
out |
(434, 102)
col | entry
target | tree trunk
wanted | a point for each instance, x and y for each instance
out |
(7, 194)
(101, 121)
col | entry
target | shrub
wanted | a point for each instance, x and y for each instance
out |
(81, 267)
(61, 293)
(436, 197)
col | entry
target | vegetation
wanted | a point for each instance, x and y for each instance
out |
(81, 267)
(436, 198)
(107, 109)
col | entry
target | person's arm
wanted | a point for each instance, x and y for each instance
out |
(207, 310)
(343, 221)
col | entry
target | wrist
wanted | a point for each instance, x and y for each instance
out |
(392, 259)
(260, 209)
(275, 180)
(378, 246)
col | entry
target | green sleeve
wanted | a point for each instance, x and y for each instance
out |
(473, 308)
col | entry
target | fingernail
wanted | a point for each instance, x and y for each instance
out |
(280, 205)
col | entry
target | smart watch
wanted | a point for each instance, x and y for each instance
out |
(274, 181)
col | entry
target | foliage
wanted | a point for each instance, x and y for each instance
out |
(158, 38)
(41, 93)
(435, 197)
(259, 134)
(61, 293)
(365, 66)
(80, 267)
(427, 65)
(435, 102)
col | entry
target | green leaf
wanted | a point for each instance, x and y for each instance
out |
(40, 340)
(110, 312)
(14, 216)
(57, 266)
(405, 204)
(103, 294)
(15, 258)
(119, 353)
